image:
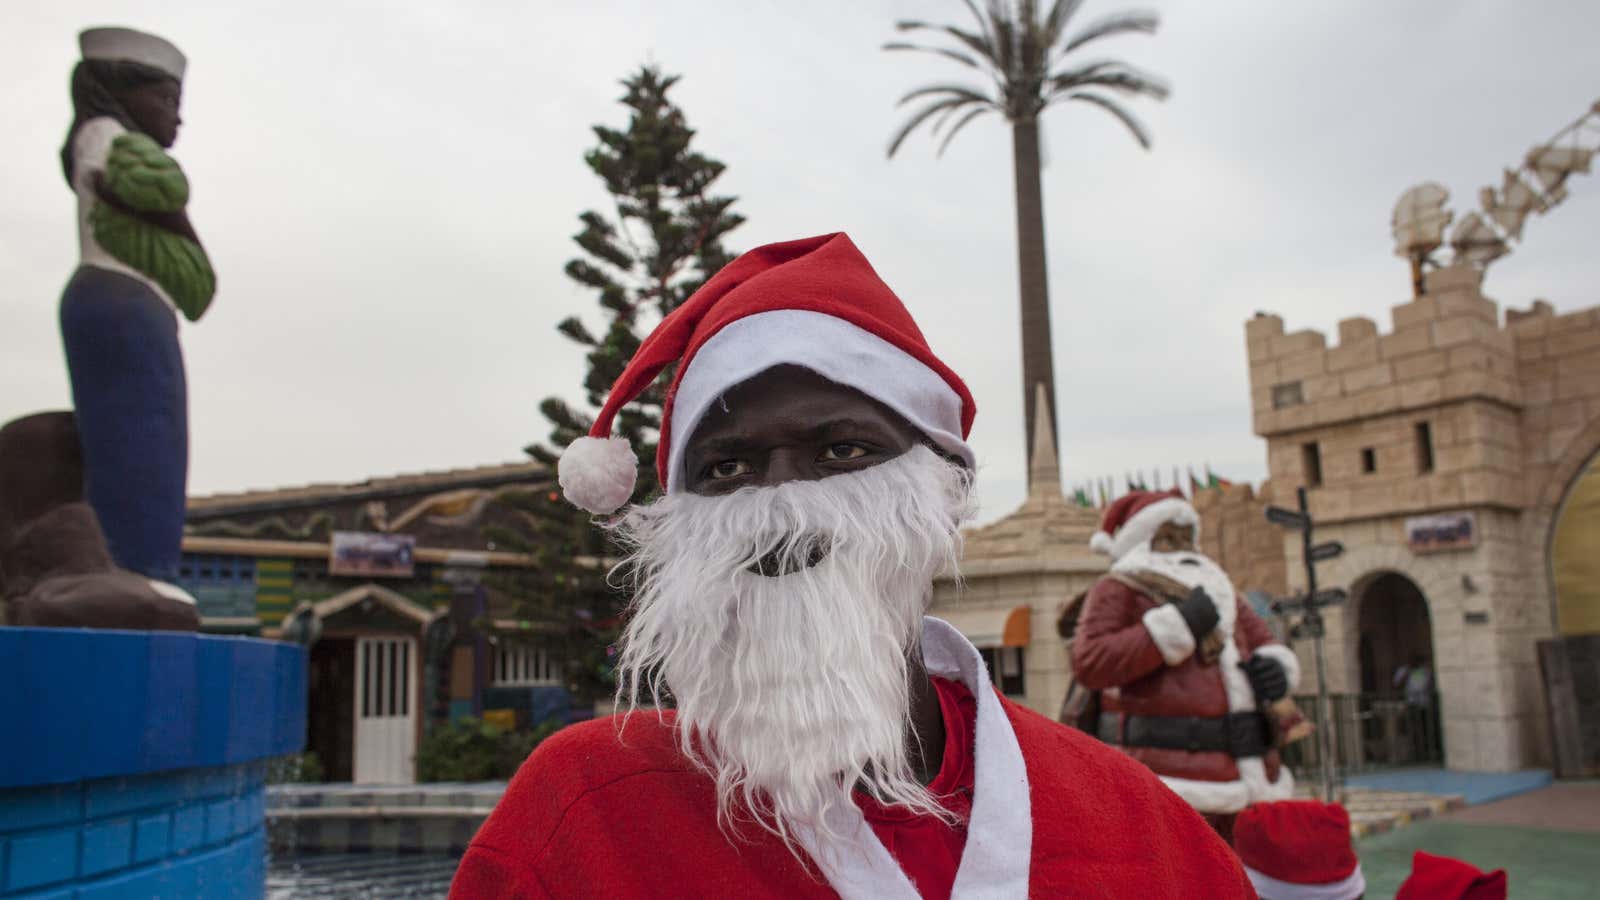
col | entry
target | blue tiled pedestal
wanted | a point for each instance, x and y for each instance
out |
(132, 764)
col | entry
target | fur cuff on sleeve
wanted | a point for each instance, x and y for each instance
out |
(1171, 633)
(1285, 657)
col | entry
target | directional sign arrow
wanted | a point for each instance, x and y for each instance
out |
(1330, 597)
(1326, 551)
(1289, 604)
(1288, 518)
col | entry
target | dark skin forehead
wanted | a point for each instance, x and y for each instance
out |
(153, 106)
(789, 423)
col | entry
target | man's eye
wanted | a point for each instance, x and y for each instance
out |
(729, 468)
(841, 452)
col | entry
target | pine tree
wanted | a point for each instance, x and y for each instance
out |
(663, 241)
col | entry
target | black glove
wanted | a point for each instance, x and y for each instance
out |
(1199, 613)
(1267, 677)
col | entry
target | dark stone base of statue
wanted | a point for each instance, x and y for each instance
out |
(55, 570)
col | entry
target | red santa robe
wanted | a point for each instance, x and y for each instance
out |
(1140, 654)
(611, 808)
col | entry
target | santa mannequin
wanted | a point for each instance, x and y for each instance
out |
(826, 738)
(1184, 666)
(1299, 850)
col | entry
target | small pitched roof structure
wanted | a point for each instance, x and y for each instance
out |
(274, 499)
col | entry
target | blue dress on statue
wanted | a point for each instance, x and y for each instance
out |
(121, 336)
(133, 415)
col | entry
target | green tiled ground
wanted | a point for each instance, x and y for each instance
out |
(1547, 865)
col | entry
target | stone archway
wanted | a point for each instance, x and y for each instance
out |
(1571, 557)
(1398, 686)
(1393, 626)
(1582, 452)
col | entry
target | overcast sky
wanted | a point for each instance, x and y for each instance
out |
(388, 192)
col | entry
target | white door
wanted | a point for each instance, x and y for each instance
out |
(386, 716)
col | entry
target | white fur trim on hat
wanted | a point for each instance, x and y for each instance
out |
(1170, 632)
(1142, 525)
(598, 474)
(1347, 888)
(1284, 657)
(1100, 542)
(833, 348)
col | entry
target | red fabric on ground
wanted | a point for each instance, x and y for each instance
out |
(587, 817)
(927, 849)
(1445, 878)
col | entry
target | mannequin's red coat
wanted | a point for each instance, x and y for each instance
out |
(587, 817)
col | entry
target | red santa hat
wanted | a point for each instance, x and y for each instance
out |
(1298, 850)
(1133, 518)
(814, 302)
(1443, 878)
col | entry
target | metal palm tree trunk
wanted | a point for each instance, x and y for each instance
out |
(1038, 365)
(1026, 62)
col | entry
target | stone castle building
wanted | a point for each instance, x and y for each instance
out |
(1453, 456)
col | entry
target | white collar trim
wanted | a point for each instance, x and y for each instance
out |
(999, 848)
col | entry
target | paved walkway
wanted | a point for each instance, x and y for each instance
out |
(1473, 787)
(1546, 840)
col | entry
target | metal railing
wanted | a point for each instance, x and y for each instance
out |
(1371, 731)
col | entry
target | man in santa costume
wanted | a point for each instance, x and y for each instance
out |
(1185, 667)
(1299, 850)
(826, 738)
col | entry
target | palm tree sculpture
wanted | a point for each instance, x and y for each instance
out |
(1030, 61)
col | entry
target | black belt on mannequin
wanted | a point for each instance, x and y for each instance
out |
(1236, 734)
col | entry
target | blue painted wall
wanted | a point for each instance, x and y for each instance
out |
(134, 762)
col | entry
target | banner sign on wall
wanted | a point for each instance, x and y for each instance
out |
(1449, 531)
(362, 553)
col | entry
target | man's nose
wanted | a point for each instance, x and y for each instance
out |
(787, 464)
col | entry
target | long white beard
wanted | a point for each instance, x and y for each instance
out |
(1189, 569)
(792, 690)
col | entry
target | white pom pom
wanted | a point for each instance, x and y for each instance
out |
(1100, 543)
(598, 474)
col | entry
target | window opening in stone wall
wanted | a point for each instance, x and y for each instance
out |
(1287, 395)
(1424, 448)
(1311, 463)
(1006, 669)
(1369, 460)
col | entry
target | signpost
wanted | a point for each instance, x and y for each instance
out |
(1310, 604)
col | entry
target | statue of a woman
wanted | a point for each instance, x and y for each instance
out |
(141, 266)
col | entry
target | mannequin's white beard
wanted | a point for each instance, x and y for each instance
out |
(792, 690)
(1187, 568)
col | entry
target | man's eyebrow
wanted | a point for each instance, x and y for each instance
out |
(734, 444)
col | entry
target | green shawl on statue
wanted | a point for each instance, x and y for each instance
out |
(144, 178)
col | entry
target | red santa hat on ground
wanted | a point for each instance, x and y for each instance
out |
(814, 302)
(1133, 518)
(1298, 850)
(1443, 878)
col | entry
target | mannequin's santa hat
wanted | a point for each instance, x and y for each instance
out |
(1442, 878)
(1298, 850)
(1132, 520)
(814, 302)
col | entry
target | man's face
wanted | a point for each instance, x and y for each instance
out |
(1172, 538)
(779, 596)
(791, 424)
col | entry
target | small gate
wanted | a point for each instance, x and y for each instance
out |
(385, 711)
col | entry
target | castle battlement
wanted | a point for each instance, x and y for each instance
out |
(1444, 346)
(1449, 408)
